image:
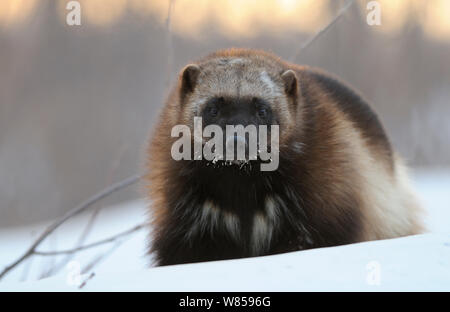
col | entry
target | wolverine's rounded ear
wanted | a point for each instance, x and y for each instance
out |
(189, 78)
(290, 82)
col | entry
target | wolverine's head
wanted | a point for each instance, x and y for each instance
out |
(232, 88)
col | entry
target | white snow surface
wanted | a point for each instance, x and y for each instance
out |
(414, 263)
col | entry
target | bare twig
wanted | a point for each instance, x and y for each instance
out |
(321, 31)
(82, 207)
(86, 280)
(95, 244)
(81, 240)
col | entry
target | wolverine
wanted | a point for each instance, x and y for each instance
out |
(338, 180)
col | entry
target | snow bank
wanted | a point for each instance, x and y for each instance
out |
(415, 263)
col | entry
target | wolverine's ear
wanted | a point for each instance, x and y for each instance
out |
(189, 78)
(290, 82)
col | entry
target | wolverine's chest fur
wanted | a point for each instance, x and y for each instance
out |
(239, 208)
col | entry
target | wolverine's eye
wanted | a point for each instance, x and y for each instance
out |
(261, 108)
(262, 112)
(213, 107)
(213, 111)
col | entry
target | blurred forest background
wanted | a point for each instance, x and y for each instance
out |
(77, 102)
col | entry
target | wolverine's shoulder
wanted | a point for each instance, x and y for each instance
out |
(314, 82)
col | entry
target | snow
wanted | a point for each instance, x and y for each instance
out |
(414, 263)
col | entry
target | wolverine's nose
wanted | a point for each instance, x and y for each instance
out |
(237, 117)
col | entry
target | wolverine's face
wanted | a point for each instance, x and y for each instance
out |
(240, 92)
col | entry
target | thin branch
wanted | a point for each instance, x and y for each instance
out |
(80, 242)
(95, 244)
(86, 280)
(308, 42)
(77, 210)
